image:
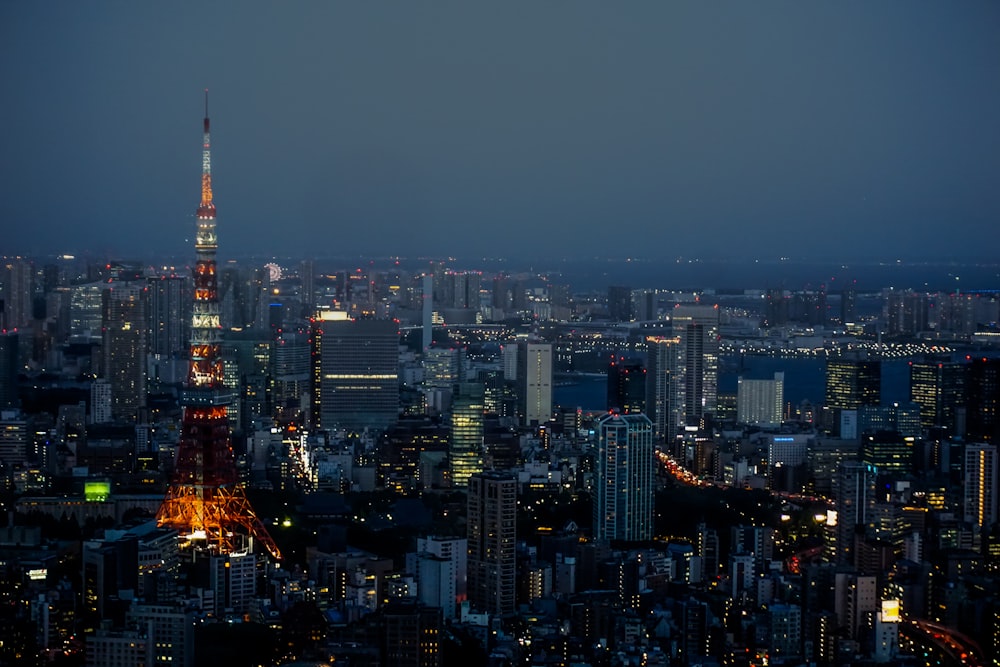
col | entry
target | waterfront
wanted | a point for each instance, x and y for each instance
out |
(805, 379)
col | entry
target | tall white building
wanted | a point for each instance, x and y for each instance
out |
(981, 481)
(760, 401)
(534, 379)
(623, 503)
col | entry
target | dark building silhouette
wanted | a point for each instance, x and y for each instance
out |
(983, 400)
(626, 386)
(8, 369)
(848, 306)
(620, 303)
(492, 535)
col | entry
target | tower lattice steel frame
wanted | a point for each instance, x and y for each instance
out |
(206, 501)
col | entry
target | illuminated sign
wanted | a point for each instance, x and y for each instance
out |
(96, 491)
(38, 574)
(890, 611)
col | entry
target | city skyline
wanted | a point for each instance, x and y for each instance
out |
(850, 132)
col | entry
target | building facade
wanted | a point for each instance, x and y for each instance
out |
(623, 502)
(492, 540)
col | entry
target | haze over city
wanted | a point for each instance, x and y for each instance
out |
(562, 334)
(842, 131)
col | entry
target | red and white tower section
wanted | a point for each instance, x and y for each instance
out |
(206, 501)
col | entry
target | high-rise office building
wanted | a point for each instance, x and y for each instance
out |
(982, 412)
(623, 501)
(291, 376)
(15, 435)
(8, 369)
(776, 307)
(85, 312)
(888, 452)
(760, 401)
(851, 383)
(854, 497)
(905, 313)
(662, 361)
(626, 386)
(465, 452)
(492, 538)
(903, 419)
(357, 373)
(848, 306)
(125, 325)
(169, 314)
(100, 402)
(307, 289)
(442, 367)
(534, 382)
(982, 485)
(16, 293)
(620, 303)
(695, 385)
(939, 387)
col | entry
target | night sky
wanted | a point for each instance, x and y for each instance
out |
(524, 129)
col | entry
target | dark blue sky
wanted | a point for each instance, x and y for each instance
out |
(537, 129)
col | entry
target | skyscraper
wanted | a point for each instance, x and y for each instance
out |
(169, 314)
(848, 306)
(358, 373)
(983, 400)
(626, 386)
(125, 326)
(290, 375)
(623, 502)
(534, 382)
(465, 452)
(620, 303)
(492, 536)
(851, 383)
(982, 485)
(8, 369)
(662, 361)
(695, 385)
(854, 495)
(938, 387)
(16, 293)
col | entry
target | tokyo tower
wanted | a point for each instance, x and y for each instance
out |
(206, 502)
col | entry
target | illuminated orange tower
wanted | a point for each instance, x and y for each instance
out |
(206, 502)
